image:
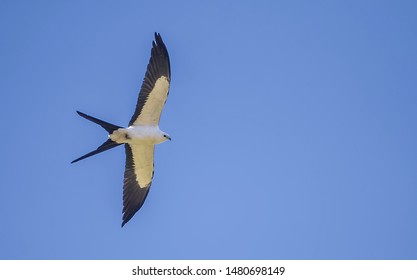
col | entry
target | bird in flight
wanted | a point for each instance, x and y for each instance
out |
(143, 132)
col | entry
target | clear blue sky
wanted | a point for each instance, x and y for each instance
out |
(294, 127)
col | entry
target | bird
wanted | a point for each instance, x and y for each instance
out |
(142, 133)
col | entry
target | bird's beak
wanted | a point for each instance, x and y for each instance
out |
(169, 138)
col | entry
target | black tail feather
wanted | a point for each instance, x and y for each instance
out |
(107, 126)
(104, 147)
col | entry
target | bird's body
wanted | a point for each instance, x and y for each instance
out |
(143, 132)
(139, 134)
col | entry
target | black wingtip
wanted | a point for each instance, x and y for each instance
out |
(158, 40)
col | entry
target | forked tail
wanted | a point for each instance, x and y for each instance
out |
(106, 145)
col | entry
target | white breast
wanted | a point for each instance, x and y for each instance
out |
(148, 134)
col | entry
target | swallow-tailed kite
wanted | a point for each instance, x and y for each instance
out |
(142, 133)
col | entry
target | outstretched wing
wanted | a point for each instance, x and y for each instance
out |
(137, 178)
(155, 86)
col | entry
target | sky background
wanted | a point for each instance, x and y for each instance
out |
(294, 127)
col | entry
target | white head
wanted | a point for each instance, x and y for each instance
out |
(165, 137)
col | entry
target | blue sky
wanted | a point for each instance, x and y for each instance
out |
(293, 126)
